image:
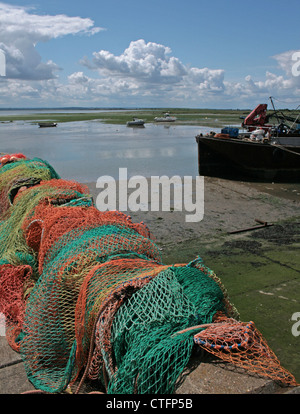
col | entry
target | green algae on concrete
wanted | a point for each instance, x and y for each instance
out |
(261, 273)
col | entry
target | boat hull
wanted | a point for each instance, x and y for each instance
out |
(47, 124)
(164, 120)
(242, 159)
(135, 124)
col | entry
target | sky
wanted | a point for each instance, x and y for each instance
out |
(154, 53)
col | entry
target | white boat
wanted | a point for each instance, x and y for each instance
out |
(136, 122)
(166, 118)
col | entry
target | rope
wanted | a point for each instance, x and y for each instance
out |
(294, 123)
(285, 149)
(191, 328)
(227, 347)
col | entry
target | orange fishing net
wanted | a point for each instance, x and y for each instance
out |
(241, 344)
(15, 283)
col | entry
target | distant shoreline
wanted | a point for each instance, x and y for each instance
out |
(96, 108)
(185, 116)
(205, 117)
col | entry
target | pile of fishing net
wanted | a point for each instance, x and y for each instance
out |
(86, 295)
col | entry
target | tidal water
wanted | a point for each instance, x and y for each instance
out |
(86, 150)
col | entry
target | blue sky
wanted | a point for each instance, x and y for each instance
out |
(174, 53)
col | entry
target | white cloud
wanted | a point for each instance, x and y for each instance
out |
(148, 69)
(78, 78)
(286, 61)
(143, 61)
(285, 86)
(12, 91)
(15, 21)
(24, 62)
(145, 74)
(21, 30)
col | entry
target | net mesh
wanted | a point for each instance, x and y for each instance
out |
(241, 344)
(86, 292)
(148, 358)
(17, 172)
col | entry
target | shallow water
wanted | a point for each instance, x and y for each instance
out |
(86, 150)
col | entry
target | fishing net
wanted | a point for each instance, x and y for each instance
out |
(15, 282)
(147, 357)
(13, 246)
(86, 295)
(18, 172)
(243, 345)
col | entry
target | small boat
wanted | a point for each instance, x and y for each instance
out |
(166, 118)
(136, 122)
(263, 152)
(47, 124)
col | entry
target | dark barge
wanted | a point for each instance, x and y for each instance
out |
(241, 159)
(263, 152)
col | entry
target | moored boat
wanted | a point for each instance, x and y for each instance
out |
(166, 118)
(47, 124)
(262, 152)
(136, 122)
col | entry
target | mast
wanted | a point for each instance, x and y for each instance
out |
(274, 109)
